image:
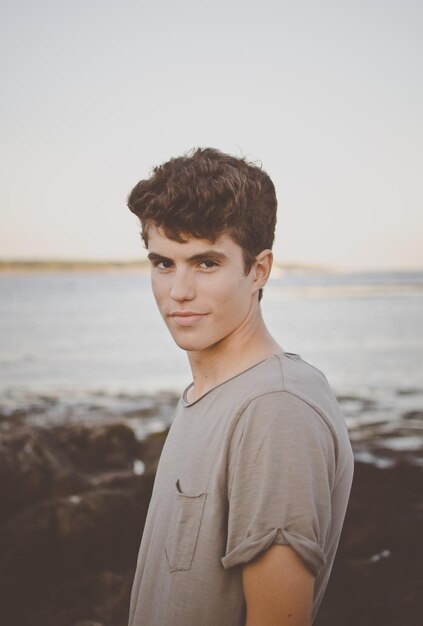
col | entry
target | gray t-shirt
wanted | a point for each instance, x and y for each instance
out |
(261, 458)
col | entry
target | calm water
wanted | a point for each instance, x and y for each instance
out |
(98, 337)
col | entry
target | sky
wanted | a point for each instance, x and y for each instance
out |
(326, 95)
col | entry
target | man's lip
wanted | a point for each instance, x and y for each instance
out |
(187, 318)
(185, 313)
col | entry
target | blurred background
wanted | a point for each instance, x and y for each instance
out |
(327, 96)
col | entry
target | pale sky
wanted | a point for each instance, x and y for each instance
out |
(326, 95)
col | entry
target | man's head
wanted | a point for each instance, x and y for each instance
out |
(206, 194)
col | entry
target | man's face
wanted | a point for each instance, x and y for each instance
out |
(200, 288)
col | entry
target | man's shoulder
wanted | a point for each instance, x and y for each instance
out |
(283, 372)
(289, 391)
(287, 377)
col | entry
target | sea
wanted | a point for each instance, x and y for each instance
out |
(78, 344)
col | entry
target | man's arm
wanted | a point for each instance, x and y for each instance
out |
(278, 589)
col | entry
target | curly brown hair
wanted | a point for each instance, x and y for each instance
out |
(206, 193)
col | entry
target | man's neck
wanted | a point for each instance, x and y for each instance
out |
(229, 357)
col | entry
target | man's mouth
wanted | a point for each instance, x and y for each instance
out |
(186, 318)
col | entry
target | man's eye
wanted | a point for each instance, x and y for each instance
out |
(208, 263)
(163, 265)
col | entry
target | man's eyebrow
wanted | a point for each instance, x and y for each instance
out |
(153, 256)
(209, 254)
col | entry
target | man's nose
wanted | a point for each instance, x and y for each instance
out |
(182, 286)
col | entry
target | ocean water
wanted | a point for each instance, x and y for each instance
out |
(72, 340)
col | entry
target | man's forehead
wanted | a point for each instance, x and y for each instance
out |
(158, 242)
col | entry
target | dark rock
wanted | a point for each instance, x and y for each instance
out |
(97, 598)
(38, 463)
(77, 534)
(71, 507)
(378, 571)
(99, 446)
(150, 450)
(413, 415)
(66, 539)
(34, 466)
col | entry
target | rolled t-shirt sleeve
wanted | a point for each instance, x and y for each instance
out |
(280, 477)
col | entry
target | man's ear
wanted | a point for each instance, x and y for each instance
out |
(261, 268)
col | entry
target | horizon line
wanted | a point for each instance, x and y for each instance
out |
(46, 263)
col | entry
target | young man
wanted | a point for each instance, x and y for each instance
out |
(255, 474)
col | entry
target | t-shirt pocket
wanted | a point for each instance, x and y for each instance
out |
(180, 547)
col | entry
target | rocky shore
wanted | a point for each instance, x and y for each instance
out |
(74, 496)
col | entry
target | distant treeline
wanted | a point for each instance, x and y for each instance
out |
(71, 266)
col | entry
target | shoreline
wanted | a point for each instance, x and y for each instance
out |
(378, 436)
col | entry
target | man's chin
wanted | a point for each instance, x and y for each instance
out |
(195, 345)
(190, 344)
